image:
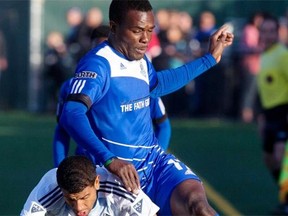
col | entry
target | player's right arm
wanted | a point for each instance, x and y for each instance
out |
(89, 86)
(76, 122)
(122, 201)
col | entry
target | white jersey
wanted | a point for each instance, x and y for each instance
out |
(113, 199)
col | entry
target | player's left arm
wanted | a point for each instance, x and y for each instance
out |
(171, 80)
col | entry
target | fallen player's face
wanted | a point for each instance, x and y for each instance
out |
(82, 202)
(134, 34)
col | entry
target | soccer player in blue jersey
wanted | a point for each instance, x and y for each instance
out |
(77, 188)
(108, 109)
(61, 140)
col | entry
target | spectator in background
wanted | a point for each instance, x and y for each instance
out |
(185, 23)
(92, 20)
(99, 35)
(161, 61)
(208, 89)
(3, 54)
(162, 24)
(74, 18)
(191, 46)
(58, 66)
(154, 48)
(207, 26)
(250, 53)
(176, 34)
(175, 53)
(283, 30)
(175, 47)
(272, 81)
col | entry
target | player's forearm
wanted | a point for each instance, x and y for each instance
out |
(75, 121)
(173, 79)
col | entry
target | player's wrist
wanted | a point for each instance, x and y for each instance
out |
(109, 161)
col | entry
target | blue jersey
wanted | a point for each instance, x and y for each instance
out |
(61, 141)
(117, 92)
(113, 116)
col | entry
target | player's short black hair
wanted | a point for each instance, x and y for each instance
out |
(75, 173)
(119, 8)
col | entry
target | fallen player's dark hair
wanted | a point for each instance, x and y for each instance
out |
(75, 173)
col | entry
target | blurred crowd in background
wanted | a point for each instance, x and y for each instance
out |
(228, 90)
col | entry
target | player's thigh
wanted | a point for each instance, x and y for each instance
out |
(170, 173)
(189, 198)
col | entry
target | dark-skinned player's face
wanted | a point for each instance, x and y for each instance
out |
(134, 33)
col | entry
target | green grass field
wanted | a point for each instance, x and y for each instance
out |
(226, 155)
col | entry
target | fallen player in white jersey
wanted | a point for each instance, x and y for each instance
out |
(77, 188)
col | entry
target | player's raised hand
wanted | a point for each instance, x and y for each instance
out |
(219, 40)
(127, 173)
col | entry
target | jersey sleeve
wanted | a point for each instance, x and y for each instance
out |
(143, 205)
(91, 80)
(131, 204)
(89, 85)
(45, 197)
(75, 121)
(173, 79)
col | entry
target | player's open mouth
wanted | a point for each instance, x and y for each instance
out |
(82, 213)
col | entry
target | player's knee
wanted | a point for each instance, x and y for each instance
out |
(198, 204)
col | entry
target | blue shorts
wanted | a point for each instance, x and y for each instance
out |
(167, 174)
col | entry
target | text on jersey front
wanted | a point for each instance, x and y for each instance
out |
(135, 106)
